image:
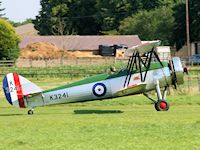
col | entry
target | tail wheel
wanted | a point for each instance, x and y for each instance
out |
(30, 112)
(161, 105)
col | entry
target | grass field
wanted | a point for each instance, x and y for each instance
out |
(122, 123)
(72, 71)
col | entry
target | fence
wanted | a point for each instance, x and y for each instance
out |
(63, 62)
(53, 72)
(7, 63)
(191, 61)
(21, 63)
(191, 85)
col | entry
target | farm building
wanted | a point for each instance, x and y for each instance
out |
(164, 53)
(183, 52)
(87, 44)
(26, 30)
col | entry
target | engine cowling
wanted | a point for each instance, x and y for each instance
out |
(177, 71)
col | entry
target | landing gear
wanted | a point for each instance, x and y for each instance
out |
(31, 111)
(161, 104)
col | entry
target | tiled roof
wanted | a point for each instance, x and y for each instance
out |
(82, 42)
(26, 30)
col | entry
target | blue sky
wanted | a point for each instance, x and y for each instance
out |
(20, 10)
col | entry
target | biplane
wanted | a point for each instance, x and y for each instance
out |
(144, 72)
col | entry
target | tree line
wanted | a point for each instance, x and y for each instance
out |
(9, 40)
(155, 19)
(91, 17)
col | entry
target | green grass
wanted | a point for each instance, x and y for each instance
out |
(72, 71)
(124, 123)
(137, 127)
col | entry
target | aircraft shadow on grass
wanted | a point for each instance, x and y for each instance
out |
(97, 111)
(1, 115)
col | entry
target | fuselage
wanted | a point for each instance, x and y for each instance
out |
(100, 87)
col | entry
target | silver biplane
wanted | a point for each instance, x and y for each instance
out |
(144, 72)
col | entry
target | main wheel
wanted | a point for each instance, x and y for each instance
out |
(30, 112)
(161, 105)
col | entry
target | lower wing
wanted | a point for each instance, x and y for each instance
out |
(133, 89)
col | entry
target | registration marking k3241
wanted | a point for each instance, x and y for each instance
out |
(58, 96)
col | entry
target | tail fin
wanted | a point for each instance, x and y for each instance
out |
(16, 87)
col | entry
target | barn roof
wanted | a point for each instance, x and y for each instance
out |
(26, 30)
(82, 42)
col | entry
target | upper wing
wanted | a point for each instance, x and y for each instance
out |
(134, 89)
(145, 47)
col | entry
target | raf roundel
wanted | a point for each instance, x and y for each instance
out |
(99, 89)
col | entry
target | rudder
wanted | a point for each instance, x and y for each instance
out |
(17, 87)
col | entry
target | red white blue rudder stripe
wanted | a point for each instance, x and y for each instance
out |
(16, 88)
(13, 90)
(6, 90)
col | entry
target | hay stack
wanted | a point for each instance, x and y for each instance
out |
(44, 50)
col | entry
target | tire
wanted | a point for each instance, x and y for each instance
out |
(30, 112)
(162, 105)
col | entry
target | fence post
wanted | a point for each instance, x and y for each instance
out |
(188, 84)
(198, 83)
(15, 63)
(106, 60)
(90, 59)
(76, 60)
(46, 64)
(61, 61)
(30, 61)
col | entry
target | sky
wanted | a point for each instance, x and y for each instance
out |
(20, 10)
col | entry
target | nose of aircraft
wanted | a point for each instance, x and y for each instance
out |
(177, 71)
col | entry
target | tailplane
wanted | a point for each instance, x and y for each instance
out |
(17, 87)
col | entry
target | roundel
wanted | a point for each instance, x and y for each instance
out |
(99, 89)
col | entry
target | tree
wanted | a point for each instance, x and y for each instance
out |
(67, 17)
(113, 12)
(85, 17)
(150, 25)
(43, 20)
(180, 23)
(17, 24)
(89, 17)
(1, 9)
(8, 42)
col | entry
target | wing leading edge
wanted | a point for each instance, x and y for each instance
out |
(143, 48)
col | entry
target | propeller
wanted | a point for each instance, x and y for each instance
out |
(177, 71)
(173, 74)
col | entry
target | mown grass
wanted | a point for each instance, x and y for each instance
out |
(72, 71)
(135, 127)
(124, 123)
